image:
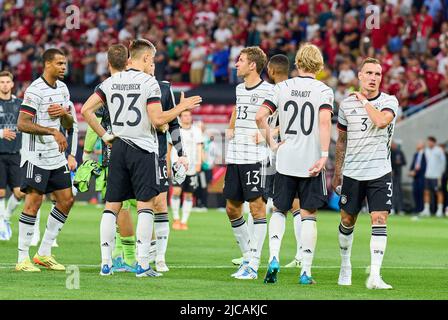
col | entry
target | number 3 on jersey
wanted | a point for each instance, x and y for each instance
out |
(134, 97)
(306, 105)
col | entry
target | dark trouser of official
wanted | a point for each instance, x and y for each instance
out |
(418, 186)
(397, 199)
(204, 177)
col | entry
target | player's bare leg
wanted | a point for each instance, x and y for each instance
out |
(309, 239)
(345, 237)
(161, 230)
(175, 206)
(378, 243)
(56, 220)
(186, 210)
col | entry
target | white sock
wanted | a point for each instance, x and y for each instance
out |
(309, 239)
(175, 205)
(440, 207)
(186, 210)
(107, 236)
(298, 233)
(257, 241)
(55, 222)
(276, 231)
(378, 243)
(37, 224)
(162, 232)
(143, 236)
(13, 202)
(426, 207)
(345, 244)
(250, 225)
(239, 228)
(2, 208)
(26, 232)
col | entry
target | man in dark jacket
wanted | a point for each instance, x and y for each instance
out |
(417, 170)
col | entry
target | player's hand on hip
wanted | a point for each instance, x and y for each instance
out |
(274, 145)
(108, 138)
(72, 164)
(8, 134)
(318, 167)
(183, 161)
(258, 138)
(57, 111)
(60, 140)
(230, 133)
(191, 102)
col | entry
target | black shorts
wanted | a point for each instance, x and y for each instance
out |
(377, 191)
(433, 184)
(244, 182)
(163, 176)
(44, 181)
(312, 192)
(10, 170)
(133, 173)
(189, 185)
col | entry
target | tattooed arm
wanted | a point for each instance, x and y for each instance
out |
(341, 145)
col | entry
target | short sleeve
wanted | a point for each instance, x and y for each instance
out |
(390, 104)
(154, 94)
(99, 90)
(342, 120)
(31, 101)
(272, 99)
(198, 136)
(327, 97)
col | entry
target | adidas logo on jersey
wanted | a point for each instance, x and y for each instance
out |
(254, 189)
(389, 202)
(353, 112)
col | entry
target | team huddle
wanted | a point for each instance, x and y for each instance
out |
(278, 145)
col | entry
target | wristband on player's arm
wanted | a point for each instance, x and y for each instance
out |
(324, 154)
(1, 133)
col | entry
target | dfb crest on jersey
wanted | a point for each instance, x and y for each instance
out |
(38, 178)
(343, 199)
(254, 98)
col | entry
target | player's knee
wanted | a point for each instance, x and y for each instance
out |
(257, 209)
(348, 221)
(66, 204)
(188, 196)
(379, 218)
(18, 194)
(2, 193)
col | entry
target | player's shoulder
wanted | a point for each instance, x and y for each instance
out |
(240, 86)
(348, 101)
(164, 85)
(36, 86)
(266, 85)
(61, 84)
(388, 97)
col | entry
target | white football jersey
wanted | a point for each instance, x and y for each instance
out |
(43, 150)
(190, 139)
(242, 149)
(298, 102)
(367, 156)
(127, 95)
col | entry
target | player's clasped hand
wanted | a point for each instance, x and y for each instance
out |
(358, 95)
(318, 167)
(56, 111)
(60, 140)
(183, 161)
(8, 134)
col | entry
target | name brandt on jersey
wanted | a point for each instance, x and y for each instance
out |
(126, 87)
(300, 94)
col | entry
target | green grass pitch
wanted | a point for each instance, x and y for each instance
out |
(416, 263)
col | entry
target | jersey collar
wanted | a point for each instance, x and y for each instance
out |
(376, 97)
(256, 86)
(52, 87)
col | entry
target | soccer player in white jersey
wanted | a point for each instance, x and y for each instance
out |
(193, 144)
(44, 166)
(366, 122)
(244, 180)
(304, 106)
(133, 101)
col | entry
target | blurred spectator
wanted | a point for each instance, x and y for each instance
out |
(235, 50)
(398, 161)
(346, 74)
(415, 89)
(220, 63)
(433, 79)
(417, 171)
(12, 49)
(222, 34)
(197, 59)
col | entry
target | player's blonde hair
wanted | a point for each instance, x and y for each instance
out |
(309, 58)
(369, 60)
(7, 74)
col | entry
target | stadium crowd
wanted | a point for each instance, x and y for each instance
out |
(199, 41)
